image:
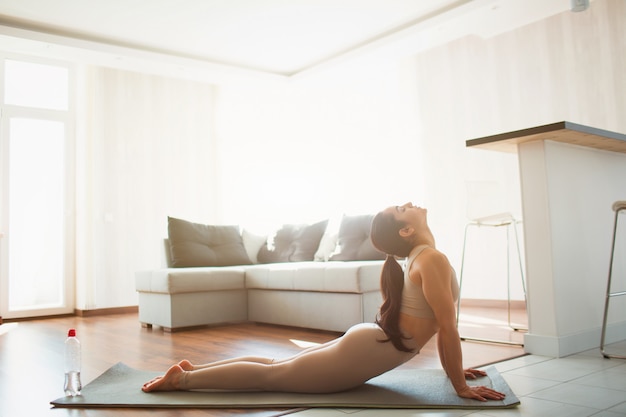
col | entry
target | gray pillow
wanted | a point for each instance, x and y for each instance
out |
(194, 244)
(293, 243)
(353, 242)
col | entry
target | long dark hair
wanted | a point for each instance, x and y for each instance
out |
(385, 236)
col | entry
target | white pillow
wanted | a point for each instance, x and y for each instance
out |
(326, 248)
(252, 244)
(328, 243)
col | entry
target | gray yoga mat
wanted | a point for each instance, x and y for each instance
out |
(120, 386)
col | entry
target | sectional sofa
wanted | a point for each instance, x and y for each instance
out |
(301, 275)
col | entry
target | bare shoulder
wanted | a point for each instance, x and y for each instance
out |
(431, 257)
(431, 262)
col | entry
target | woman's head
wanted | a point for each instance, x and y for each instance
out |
(391, 231)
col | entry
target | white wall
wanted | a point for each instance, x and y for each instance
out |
(317, 148)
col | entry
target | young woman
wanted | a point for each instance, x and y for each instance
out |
(418, 303)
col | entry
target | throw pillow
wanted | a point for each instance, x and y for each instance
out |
(194, 244)
(353, 242)
(252, 242)
(293, 243)
(328, 243)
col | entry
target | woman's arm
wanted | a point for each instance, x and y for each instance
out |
(434, 271)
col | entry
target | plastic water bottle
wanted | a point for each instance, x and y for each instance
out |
(72, 365)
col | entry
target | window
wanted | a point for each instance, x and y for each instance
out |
(36, 85)
(36, 274)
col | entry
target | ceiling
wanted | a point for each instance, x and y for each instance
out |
(273, 37)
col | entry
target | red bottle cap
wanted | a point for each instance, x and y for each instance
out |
(71, 333)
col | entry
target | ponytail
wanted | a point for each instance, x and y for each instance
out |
(385, 235)
(392, 284)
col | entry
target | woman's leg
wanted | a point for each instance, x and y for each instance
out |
(171, 380)
(188, 366)
(232, 375)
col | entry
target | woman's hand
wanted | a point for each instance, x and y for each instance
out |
(481, 393)
(474, 373)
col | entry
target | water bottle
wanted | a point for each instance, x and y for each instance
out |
(72, 365)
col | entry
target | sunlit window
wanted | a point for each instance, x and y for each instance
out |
(35, 138)
(36, 85)
(36, 203)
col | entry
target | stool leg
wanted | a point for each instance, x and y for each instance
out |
(458, 302)
(519, 257)
(521, 270)
(608, 294)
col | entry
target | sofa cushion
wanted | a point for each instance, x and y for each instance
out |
(342, 277)
(293, 243)
(353, 242)
(188, 280)
(194, 244)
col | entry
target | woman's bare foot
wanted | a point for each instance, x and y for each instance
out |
(186, 365)
(168, 382)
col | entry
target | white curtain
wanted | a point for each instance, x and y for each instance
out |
(144, 151)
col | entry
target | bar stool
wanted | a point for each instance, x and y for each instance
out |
(618, 206)
(498, 220)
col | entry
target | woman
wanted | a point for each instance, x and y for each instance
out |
(418, 303)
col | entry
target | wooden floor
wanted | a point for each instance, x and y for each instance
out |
(31, 355)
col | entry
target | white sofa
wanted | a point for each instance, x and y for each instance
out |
(324, 294)
(319, 295)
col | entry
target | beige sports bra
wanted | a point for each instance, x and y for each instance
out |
(413, 301)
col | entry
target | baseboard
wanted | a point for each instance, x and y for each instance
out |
(571, 344)
(80, 313)
(106, 311)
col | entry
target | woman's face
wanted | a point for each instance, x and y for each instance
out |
(408, 214)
